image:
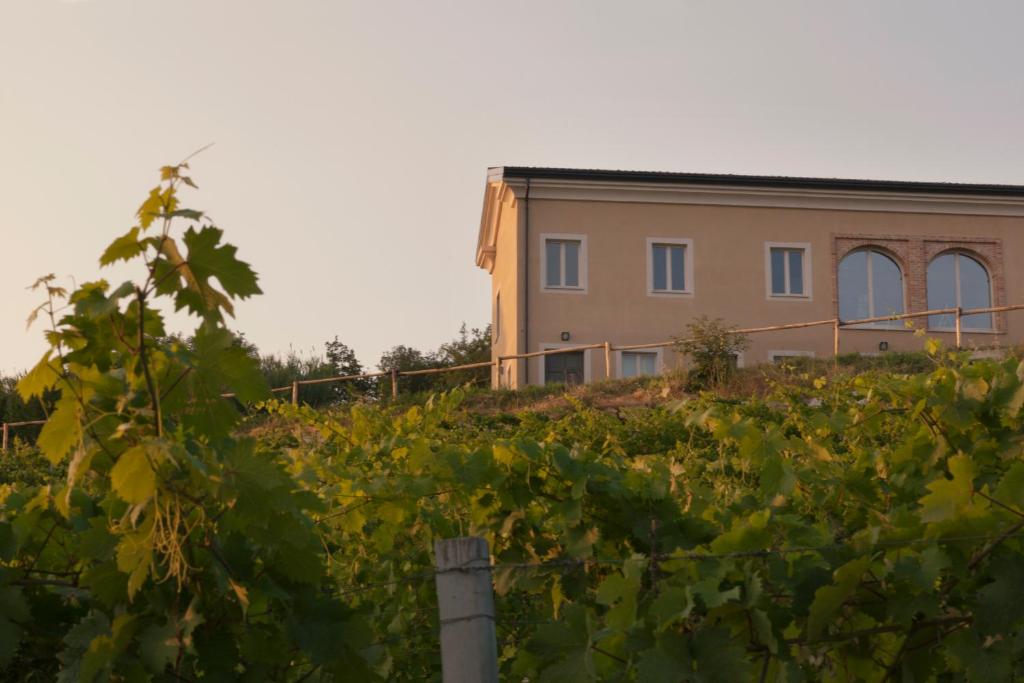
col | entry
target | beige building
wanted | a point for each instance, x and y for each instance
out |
(586, 256)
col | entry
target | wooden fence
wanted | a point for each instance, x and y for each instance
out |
(835, 323)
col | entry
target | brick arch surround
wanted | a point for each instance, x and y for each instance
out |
(914, 253)
(988, 252)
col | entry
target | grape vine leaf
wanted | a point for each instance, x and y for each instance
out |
(62, 431)
(133, 477)
(949, 497)
(124, 248)
(829, 599)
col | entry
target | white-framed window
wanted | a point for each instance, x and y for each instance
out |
(788, 270)
(639, 363)
(957, 279)
(870, 285)
(782, 355)
(669, 266)
(563, 262)
(566, 367)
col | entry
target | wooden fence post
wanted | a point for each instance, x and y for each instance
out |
(295, 393)
(608, 360)
(958, 324)
(835, 340)
(394, 382)
(7, 431)
(465, 601)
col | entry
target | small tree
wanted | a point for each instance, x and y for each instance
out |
(405, 358)
(471, 346)
(713, 348)
(343, 361)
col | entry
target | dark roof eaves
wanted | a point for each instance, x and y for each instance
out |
(790, 182)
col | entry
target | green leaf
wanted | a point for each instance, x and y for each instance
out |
(777, 476)
(949, 497)
(97, 657)
(158, 645)
(190, 214)
(207, 260)
(13, 605)
(619, 592)
(10, 637)
(999, 605)
(124, 248)
(42, 377)
(566, 645)
(745, 534)
(668, 662)
(62, 431)
(93, 625)
(829, 599)
(982, 662)
(133, 477)
(719, 658)
(1011, 487)
(135, 555)
(670, 605)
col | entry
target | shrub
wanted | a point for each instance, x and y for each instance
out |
(713, 349)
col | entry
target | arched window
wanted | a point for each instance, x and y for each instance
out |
(870, 285)
(956, 279)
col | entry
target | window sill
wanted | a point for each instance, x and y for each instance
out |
(788, 297)
(963, 330)
(875, 327)
(669, 293)
(564, 290)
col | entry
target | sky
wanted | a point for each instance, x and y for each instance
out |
(352, 139)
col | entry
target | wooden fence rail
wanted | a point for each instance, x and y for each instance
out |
(836, 324)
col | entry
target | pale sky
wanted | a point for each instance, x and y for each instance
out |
(353, 138)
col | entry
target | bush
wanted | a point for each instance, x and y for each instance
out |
(713, 349)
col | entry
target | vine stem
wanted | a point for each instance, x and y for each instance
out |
(154, 395)
(764, 667)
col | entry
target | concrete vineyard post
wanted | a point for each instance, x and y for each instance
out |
(465, 602)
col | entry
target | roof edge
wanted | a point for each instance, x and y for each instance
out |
(504, 173)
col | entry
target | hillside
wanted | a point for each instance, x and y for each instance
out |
(822, 522)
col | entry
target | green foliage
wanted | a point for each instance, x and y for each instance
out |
(852, 527)
(470, 346)
(713, 348)
(844, 530)
(281, 371)
(166, 548)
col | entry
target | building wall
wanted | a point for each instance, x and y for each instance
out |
(507, 281)
(729, 263)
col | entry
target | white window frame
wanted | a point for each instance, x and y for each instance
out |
(563, 237)
(542, 379)
(688, 274)
(956, 283)
(808, 276)
(659, 364)
(788, 353)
